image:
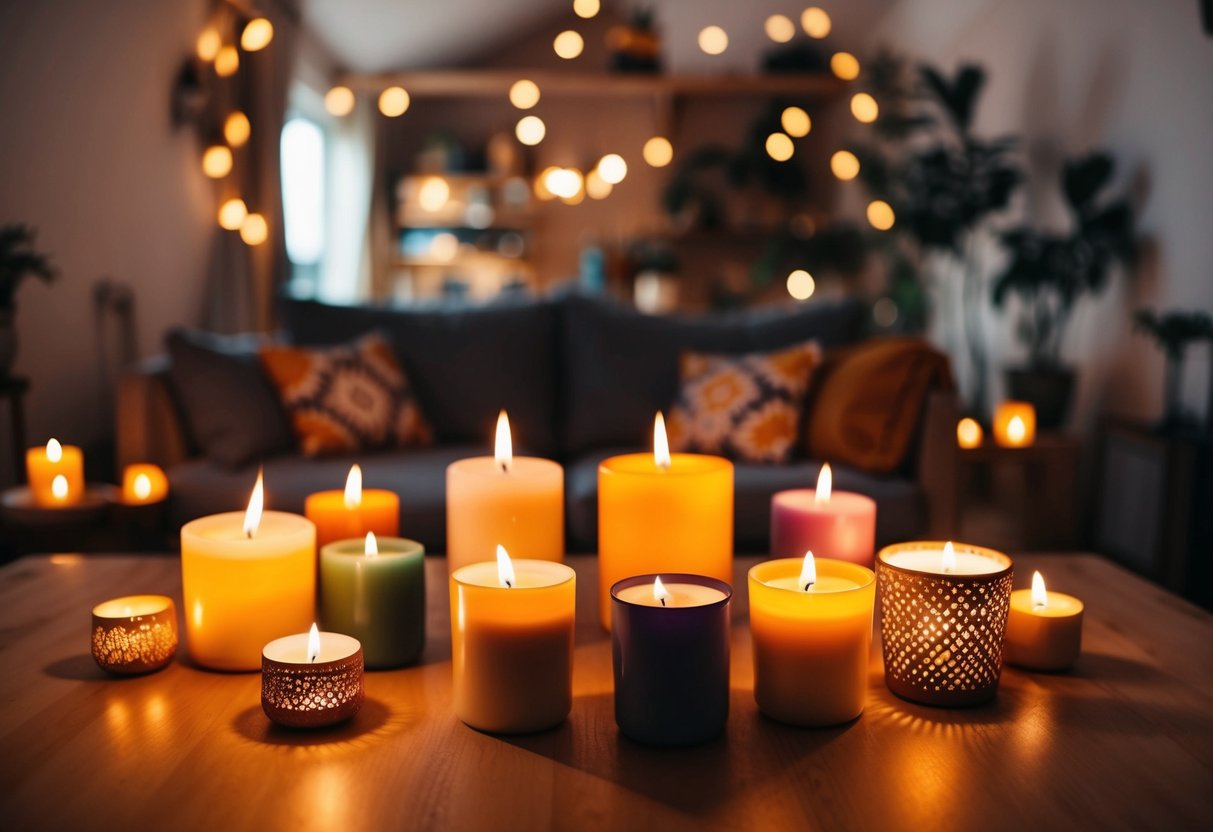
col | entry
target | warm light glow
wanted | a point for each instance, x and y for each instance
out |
(505, 568)
(1016, 430)
(208, 44)
(256, 503)
(815, 22)
(530, 130)
(227, 61)
(256, 35)
(353, 487)
(503, 447)
(864, 107)
(780, 147)
(586, 8)
(565, 183)
(844, 65)
(232, 214)
(237, 129)
(780, 28)
(658, 151)
(713, 40)
(596, 187)
(825, 483)
(54, 451)
(444, 246)
(254, 230)
(880, 215)
(142, 487)
(796, 122)
(660, 593)
(844, 164)
(661, 444)
(524, 94)
(339, 101)
(217, 161)
(313, 643)
(371, 547)
(1040, 598)
(968, 433)
(949, 557)
(612, 168)
(393, 101)
(433, 194)
(801, 285)
(568, 44)
(808, 572)
(59, 487)
(541, 184)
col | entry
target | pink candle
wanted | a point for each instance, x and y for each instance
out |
(831, 524)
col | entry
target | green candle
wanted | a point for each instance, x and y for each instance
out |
(374, 590)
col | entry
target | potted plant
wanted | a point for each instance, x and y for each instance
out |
(1050, 272)
(18, 260)
(1174, 332)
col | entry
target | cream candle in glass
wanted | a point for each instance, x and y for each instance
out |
(1044, 628)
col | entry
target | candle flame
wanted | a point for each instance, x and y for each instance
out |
(949, 557)
(661, 444)
(503, 451)
(372, 545)
(54, 451)
(505, 568)
(1040, 598)
(313, 643)
(59, 487)
(825, 483)
(808, 572)
(353, 487)
(256, 503)
(142, 487)
(659, 590)
(1016, 430)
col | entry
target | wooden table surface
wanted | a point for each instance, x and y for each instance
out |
(1124, 741)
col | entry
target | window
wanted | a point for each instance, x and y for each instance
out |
(303, 186)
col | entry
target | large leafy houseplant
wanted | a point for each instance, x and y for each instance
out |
(18, 261)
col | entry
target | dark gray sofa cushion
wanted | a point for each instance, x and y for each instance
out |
(621, 366)
(900, 503)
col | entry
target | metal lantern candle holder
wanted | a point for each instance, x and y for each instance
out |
(134, 635)
(315, 695)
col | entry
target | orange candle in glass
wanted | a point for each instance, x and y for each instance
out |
(663, 512)
(968, 433)
(55, 474)
(1044, 629)
(143, 483)
(350, 514)
(1015, 424)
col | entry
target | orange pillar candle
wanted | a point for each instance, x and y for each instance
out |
(55, 474)
(247, 578)
(348, 514)
(663, 512)
(516, 502)
(811, 624)
(1044, 629)
(1015, 424)
(836, 524)
(512, 643)
(143, 483)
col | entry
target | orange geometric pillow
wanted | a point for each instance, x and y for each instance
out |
(746, 407)
(346, 398)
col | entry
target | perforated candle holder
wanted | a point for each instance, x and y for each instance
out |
(943, 633)
(134, 635)
(311, 695)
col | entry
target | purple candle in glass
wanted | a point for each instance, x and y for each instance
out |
(670, 640)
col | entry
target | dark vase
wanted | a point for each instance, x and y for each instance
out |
(1048, 389)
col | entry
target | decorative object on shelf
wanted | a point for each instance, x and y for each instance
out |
(1015, 424)
(18, 260)
(1051, 272)
(143, 484)
(312, 679)
(135, 634)
(943, 618)
(833, 524)
(636, 45)
(341, 515)
(969, 433)
(1044, 629)
(1174, 332)
(670, 644)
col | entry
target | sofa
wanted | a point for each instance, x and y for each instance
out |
(581, 378)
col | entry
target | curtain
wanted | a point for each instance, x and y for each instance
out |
(346, 270)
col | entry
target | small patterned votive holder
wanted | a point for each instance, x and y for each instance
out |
(134, 635)
(298, 693)
(943, 623)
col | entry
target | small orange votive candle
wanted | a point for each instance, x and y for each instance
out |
(1044, 629)
(135, 634)
(1015, 424)
(143, 483)
(351, 513)
(968, 433)
(55, 473)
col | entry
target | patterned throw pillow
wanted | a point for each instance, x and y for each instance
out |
(346, 398)
(746, 407)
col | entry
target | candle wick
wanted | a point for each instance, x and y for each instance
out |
(662, 600)
(509, 584)
(505, 467)
(249, 534)
(808, 585)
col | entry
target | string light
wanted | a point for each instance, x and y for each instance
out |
(815, 22)
(586, 8)
(844, 164)
(217, 161)
(530, 130)
(658, 152)
(237, 129)
(612, 168)
(227, 61)
(232, 214)
(256, 35)
(796, 122)
(713, 40)
(845, 66)
(339, 101)
(208, 44)
(780, 28)
(864, 107)
(393, 101)
(880, 215)
(524, 94)
(780, 147)
(568, 44)
(254, 230)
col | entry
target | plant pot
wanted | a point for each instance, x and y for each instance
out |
(8, 341)
(1048, 389)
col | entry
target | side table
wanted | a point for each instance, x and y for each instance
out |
(99, 522)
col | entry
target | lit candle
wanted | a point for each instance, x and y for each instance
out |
(512, 643)
(374, 589)
(670, 642)
(663, 513)
(55, 474)
(1044, 629)
(135, 634)
(943, 617)
(811, 624)
(517, 502)
(312, 679)
(1015, 424)
(834, 524)
(143, 484)
(968, 433)
(341, 515)
(247, 578)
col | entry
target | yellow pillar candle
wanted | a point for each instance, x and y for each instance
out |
(143, 483)
(512, 643)
(811, 624)
(343, 515)
(247, 578)
(663, 513)
(55, 474)
(1044, 629)
(516, 502)
(1015, 424)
